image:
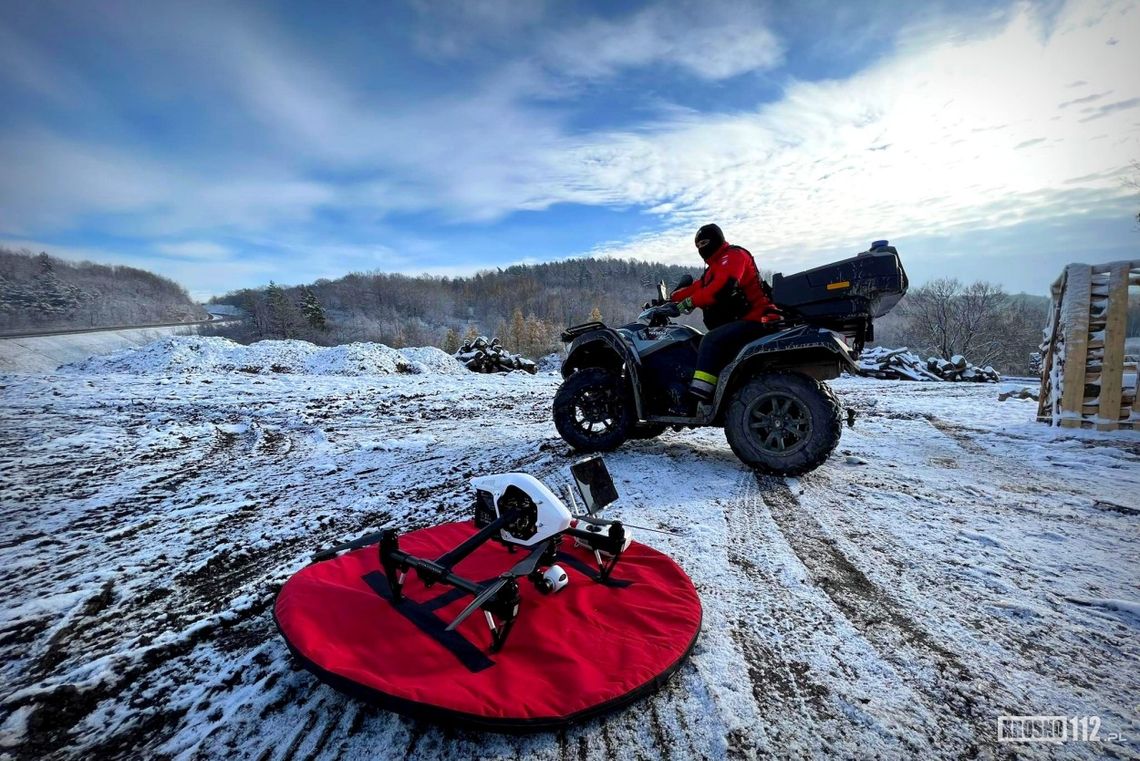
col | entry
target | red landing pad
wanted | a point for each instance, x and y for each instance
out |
(585, 650)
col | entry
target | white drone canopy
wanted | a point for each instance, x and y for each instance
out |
(543, 514)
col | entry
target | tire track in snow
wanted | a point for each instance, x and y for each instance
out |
(945, 681)
(786, 696)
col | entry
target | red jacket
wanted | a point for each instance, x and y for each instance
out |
(730, 265)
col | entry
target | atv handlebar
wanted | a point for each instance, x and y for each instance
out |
(659, 314)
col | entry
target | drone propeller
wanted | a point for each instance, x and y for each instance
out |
(522, 568)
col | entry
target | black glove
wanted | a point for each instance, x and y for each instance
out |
(670, 309)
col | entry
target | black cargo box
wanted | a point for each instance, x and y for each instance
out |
(847, 294)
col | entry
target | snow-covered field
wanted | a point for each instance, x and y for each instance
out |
(976, 564)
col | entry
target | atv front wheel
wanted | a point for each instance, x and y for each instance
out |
(592, 411)
(783, 424)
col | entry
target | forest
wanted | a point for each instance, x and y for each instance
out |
(45, 292)
(526, 306)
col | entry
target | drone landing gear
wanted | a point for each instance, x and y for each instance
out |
(501, 612)
(395, 571)
(499, 599)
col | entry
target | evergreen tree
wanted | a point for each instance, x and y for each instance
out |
(280, 320)
(312, 310)
(596, 315)
(471, 334)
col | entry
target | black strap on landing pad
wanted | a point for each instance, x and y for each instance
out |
(448, 597)
(472, 657)
(592, 572)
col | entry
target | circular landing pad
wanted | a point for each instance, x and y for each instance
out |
(585, 650)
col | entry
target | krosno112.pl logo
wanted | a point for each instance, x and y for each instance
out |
(1052, 729)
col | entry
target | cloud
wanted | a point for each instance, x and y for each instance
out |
(49, 182)
(712, 41)
(803, 173)
(293, 153)
(456, 28)
(195, 250)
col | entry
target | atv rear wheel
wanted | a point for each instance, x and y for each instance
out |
(592, 411)
(784, 424)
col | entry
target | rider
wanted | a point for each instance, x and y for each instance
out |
(736, 302)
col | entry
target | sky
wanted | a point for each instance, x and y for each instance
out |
(229, 144)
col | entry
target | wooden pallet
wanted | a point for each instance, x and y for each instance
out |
(1083, 368)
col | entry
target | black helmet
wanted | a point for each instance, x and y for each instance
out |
(709, 240)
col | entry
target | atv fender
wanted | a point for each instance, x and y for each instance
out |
(815, 352)
(606, 349)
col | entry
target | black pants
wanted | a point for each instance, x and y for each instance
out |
(718, 348)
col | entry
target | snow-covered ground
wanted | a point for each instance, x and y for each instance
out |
(955, 561)
(43, 354)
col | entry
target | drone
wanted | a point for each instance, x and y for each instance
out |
(520, 512)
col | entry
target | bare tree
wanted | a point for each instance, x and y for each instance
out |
(517, 335)
(946, 317)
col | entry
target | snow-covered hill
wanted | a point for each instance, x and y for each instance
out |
(977, 564)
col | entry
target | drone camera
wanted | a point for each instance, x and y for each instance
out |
(551, 580)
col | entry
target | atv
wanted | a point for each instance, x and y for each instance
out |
(778, 414)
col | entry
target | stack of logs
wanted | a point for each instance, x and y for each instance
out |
(489, 356)
(902, 364)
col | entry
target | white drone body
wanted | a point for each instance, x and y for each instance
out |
(545, 513)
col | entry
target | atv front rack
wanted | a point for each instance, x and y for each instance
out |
(570, 334)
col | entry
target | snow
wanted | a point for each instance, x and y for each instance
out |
(43, 354)
(213, 355)
(973, 564)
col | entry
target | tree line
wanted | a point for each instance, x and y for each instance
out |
(41, 291)
(525, 306)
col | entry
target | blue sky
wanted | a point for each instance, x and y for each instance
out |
(228, 144)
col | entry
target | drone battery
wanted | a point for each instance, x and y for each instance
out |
(484, 508)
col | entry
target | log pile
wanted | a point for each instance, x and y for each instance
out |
(1015, 391)
(902, 364)
(489, 356)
